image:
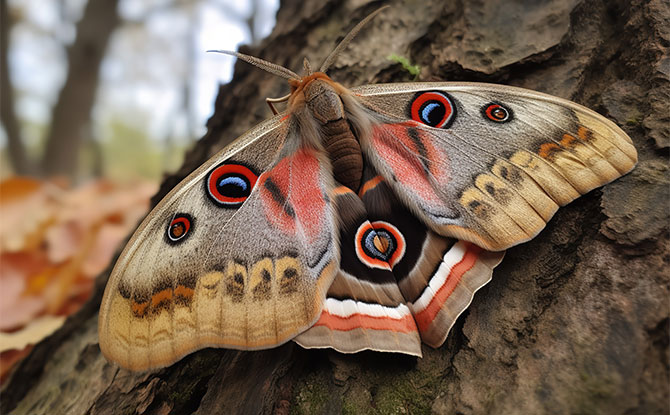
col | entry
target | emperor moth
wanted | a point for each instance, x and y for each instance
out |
(362, 218)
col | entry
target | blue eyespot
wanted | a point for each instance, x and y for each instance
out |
(234, 183)
(433, 108)
(432, 113)
(230, 184)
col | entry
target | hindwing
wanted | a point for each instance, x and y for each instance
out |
(399, 283)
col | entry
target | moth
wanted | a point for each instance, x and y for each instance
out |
(362, 218)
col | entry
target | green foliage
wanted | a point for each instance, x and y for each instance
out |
(413, 70)
(128, 153)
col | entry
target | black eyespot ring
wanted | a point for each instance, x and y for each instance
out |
(229, 184)
(433, 108)
(379, 244)
(179, 229)
(497, 112)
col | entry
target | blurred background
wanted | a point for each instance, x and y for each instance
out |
(114, 88)
(99, 98)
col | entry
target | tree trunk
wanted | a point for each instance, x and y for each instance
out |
(574, 321)
(71, 117)
(16, 150)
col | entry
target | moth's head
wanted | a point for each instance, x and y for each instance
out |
(299, 86)
(316, 86)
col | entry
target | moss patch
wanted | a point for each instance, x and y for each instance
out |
(413, 70)
(311, 395)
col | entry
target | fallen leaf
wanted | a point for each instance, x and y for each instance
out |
(53, 242)
(107, 241)
(35, 331)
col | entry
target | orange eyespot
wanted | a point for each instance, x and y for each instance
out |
(433, 108)
(230, 184)
(179, 227)
(379, 245)
(496, 112)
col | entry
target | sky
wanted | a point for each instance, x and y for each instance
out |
(147, 59)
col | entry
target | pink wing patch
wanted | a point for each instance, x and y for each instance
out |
(411, 157)
(292, 195)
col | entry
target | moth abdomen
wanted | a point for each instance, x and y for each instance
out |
(324, 102)
(344, 152)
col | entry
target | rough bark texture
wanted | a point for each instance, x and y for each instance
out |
(575, 321)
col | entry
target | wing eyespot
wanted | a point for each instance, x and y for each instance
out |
(433, 108)
(229, 184)
(497, 112)
(179, 228)
(379, 244)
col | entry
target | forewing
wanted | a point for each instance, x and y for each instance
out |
(494, 163)
(239, 255)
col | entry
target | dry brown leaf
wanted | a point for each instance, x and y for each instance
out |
(25, 212)
(17, 188)
(53, 242)
(107, 241)
(64, 240)
(17, 305)
(35, 331)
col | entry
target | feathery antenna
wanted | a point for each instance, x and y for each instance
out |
(273, 68)
(280, 71)
(307, 67)
(347, 39)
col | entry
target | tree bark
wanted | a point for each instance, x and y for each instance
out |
(71, 117)
(574, 321)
